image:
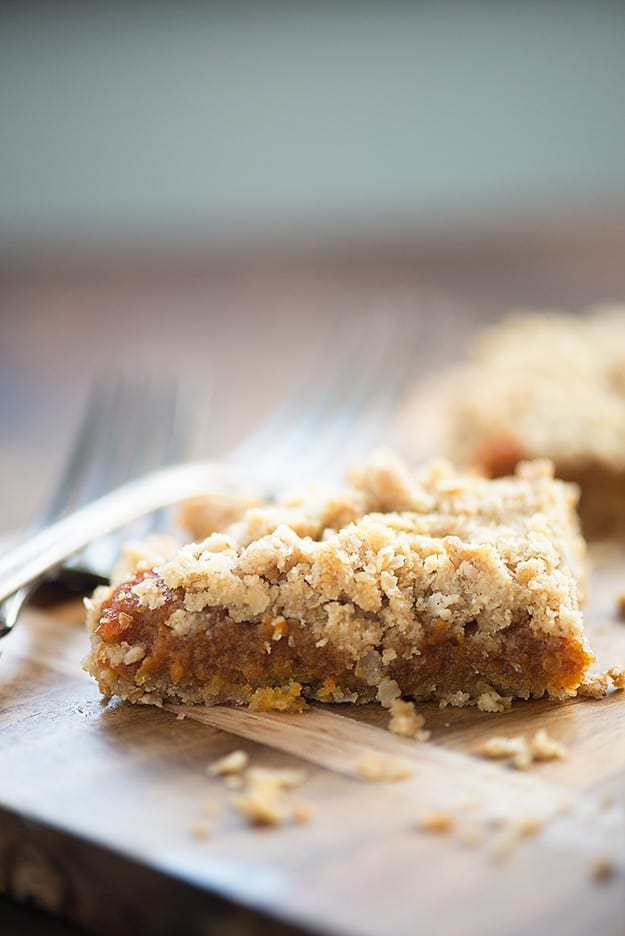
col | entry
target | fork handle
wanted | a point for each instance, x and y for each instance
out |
(45, 550)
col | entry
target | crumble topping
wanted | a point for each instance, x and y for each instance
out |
(134, 654)
(140, 555)
(214, 512)
(498, 540)
(431, 569)
(278, 699)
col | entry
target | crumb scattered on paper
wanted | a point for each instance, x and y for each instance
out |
(383, 767)
(263, 801)
(439, 822)
(597, 685)
(520, 752)
(406, 721)
(604, 869)
(233, 763)
(202, 830)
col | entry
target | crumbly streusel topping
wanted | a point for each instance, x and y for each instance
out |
(554, 383)
(417, 549)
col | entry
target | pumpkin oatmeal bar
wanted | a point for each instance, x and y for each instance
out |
(540, 385)
(430, 585)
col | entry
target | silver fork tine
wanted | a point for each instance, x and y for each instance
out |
(350, 422)
(171, 444)
(349, 415)
(70, 479)
(142, 442)
(118, 440)
(74, 469)
(272, 447)
(387, 386)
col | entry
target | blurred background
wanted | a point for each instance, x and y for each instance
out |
(202, 188)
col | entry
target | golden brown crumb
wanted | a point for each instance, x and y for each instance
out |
(138, 555)
(264, 803)
(597, 685)
(516, 750)
(617, 675)
(301, 813)
(530, 826)
(233, 763)
(492, 701)
(470, 834)
(520, 752)
(621, 604)
(438, 822)
(604, 869)
(215, 511)
(545, 748)
(281, 778)
(405, 720)
(260, 806)
(202, 830)
(383, 767)
(505, 843)
(278, 699)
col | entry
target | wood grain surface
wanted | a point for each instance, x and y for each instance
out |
(97, 803)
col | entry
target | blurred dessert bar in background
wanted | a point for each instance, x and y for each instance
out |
(538, 385)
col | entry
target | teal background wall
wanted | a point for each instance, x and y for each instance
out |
(214, 120)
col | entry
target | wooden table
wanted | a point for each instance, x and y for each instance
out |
(229, 322)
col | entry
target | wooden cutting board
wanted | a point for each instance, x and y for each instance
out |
(98, 804)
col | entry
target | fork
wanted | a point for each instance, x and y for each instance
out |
(341, 411)
(110, 447)
(310, 436)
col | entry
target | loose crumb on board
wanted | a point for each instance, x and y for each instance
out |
(233, 763)
(471, 834)
(621, 604)
(380, 768)
(604, 869)
(598, 685)
(202, 830)
(439, 822)
(262, 798)
(406, 721)
(263, 801)
(501, 834)
(520, 752)
(545, 748)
